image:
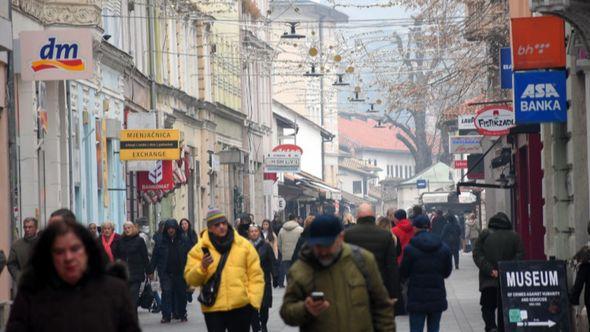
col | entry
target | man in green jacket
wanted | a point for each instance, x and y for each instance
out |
(348, 293)
(497, 243)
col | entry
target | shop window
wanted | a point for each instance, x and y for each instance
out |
(357, 187)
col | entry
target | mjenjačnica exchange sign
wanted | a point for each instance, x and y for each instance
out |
(150, 144)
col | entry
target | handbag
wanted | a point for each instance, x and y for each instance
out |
(146, 299)
(209, 290)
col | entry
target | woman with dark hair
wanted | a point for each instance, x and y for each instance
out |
(451, 236)
(66, 288)
(270, 236)
(267, 259)
(133, 251)
(188, 233)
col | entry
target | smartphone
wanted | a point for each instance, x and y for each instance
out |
(317, 296)
(206, 250)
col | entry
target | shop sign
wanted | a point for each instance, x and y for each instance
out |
(160, 178)
(49, 55)
(466, 122)
(149, 144)
(460, 164)
(505, 68)
(538, 42)
(284, 158)
(465, 144)
(535, 295)
(475, 164)
(421, 184)
(494, 120)
(540, 96)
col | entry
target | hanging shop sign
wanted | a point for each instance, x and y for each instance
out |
(284, 158)
(460, 164)
(160, 178)
(494, 120)
(538, 42)
(466, 122)
(49, 55)
(534, 295)
(476, 167)
(540, 96)
(505, 68)
(465, 144)
(421, 184)
(149, 144)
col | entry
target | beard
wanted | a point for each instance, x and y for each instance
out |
(327, 261)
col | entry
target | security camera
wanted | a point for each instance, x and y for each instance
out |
(106, 36)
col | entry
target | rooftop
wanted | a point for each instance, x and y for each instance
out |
(359, 133)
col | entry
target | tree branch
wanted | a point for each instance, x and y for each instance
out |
(402, 127)
(409, 145)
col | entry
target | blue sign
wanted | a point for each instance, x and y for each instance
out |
(505, 68)
(540, 96)
(421, 184)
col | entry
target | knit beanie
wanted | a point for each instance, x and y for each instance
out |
(214, 216)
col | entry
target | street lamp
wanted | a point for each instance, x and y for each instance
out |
(292, 34)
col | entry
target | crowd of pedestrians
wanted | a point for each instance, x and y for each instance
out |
(355, 274)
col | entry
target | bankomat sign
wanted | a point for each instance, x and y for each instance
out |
(56, 54)
(540, 96)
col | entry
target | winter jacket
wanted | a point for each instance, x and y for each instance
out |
(167, 248)
(471, 230)
(19, 255)
(404, 231)
(438, 224)
(379, 242)
(113, 245)
(451, 236)
(267, 259)
(133, 251)
(300, 243)
(426, 265)
(288, 237)
(2, 261)
(497, 243)
(582, 281)
(190, 237)
(102, 304)
(242, 279)
(356, 304)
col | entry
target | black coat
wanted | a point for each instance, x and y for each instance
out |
(300, 243)
(438, 224)
(267, 259)
(379, 242)
(426, 265)
(98, 305)
(162, 252)
(133, 251)
(582, 281)
(451, 236)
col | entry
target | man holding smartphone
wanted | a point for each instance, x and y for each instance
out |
(233, 261)
(335, 286)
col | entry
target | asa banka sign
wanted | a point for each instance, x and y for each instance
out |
(540, 96)
(56, 55)
(534, 295)
(284, 158)
(494, 120)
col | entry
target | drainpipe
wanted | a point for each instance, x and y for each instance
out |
(322, 99)
(70, 146)
(13, 166)
(153, 101)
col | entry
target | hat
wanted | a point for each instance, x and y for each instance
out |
(421, 222)
(400, 214)
(324, 230)
(214, 216)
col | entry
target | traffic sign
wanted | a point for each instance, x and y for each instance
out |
(149, 144)
(421, 184)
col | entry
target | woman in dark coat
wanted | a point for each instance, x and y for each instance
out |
(451, 236)
(188, 233)
(132, 250)
(267, 259)
(66, 288)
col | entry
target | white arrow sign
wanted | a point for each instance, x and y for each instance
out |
(548, 323)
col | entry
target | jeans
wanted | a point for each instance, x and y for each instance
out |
(456, 257)
(173, 296)
(237, 320)
(417, 320)
(491, 299)
(260, 319)
(285, 266)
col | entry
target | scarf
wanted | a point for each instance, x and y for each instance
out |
(256, 242)
(223, 244)
(107, 246)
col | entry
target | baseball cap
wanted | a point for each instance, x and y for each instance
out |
(324, 230)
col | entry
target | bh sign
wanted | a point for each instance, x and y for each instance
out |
(494, 120)
(538, 42)
(540, 96)
(56, 55)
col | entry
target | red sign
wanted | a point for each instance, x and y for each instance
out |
(460, 164)
(159, 178)
(494, 120)
(538, 42)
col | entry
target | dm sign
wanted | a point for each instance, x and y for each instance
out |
(284, 158)
(540, 96)
(63, 54)
(534, 295)
(494, 120)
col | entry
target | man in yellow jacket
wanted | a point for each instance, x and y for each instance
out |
(241, 285)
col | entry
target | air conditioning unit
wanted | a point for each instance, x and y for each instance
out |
(548, 5)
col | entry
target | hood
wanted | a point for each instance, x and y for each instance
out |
(290, 225)
(500, 221)
(426, 242)
(405, 225)
(171, 223)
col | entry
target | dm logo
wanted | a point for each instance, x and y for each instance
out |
(58, 56)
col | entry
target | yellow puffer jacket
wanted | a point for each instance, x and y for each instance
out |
(242, 280)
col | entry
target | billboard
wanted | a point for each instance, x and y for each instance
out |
(149, 144)
(49, 55)
(538, 42)
(540, 96)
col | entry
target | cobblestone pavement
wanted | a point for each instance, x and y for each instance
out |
(463, 315)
